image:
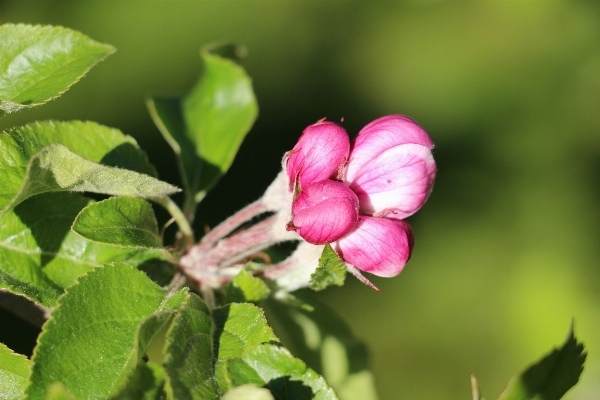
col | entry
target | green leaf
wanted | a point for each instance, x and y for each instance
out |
(14, 371)
(248, 392)
(58, 391)
(331, 270)
(146, 383)
(189, 346)
(237, 326)
(274, 367)
(246, 288)
(40, 63)
(552, 376)
(56, 169)
(121, 221)
(325, 342)
(89, 140)
(207, 127)
(99, 331)
(40, 255)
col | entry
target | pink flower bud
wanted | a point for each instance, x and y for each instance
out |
(324, 212)
(391, 167)
(320, 151)
(380, 246)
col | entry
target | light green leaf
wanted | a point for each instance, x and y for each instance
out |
(248, 392)
(14, 371)
(121, 221)
(146, 383)
(237, 326)
(56, 169)
(552, 376)
(246, 288)
(274, 367)
(331, 270)
(58, 391)
(207, 127)
(89, 140)
(189, 352)
(324, 341)
(99, 331)
(39, 63)
(40, 255)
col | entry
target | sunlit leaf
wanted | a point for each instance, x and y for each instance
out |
(552, 376)
(331, 270)
(39, 63)
(14, 371)
(99, 331)
(121, 221)
(40, 255)
(246, 288)
(248, 392)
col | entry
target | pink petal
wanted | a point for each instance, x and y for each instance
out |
(320, 151)
(391, 167)
(380, 246)
(397, 182)
(325, 211)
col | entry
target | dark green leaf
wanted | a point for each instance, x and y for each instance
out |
(274, 367)
(39, 63)
(331, 270)
(552, 376)
(40, 255)
(99, 331)
(246, 288)
(146, 383)
(14, 371)
(188, 360)
(325, 342)
(121, 221)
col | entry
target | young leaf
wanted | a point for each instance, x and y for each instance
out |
(274, 367)
(121, 221)
(189, 346)
(552, 376)
(39, 63)
(14, 371)
(56, 169)
(246, 288)
(40, 255)
(324, 341)
(146, 383)
(207, 127)
(331, 270)
(99, 331)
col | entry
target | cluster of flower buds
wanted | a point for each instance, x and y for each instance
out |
(353, 196)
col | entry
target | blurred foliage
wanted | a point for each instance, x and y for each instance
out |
(506, 248)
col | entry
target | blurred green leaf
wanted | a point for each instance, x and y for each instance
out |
(99, 331)
(58, 391)
(325, 342)
(120, 221)
(246, 288)
(248, 392)
(14, 371)
(189, 345)
(40, 254)
(274, 367)
(40, 63)
(56, 169)
(146, 383)
(552, 376)
(331, 270)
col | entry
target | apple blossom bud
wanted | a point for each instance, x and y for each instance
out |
(320, 151)
(324, 212)
(391, 167)
(380, 246)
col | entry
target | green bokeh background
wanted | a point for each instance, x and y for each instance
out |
(507, 246)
